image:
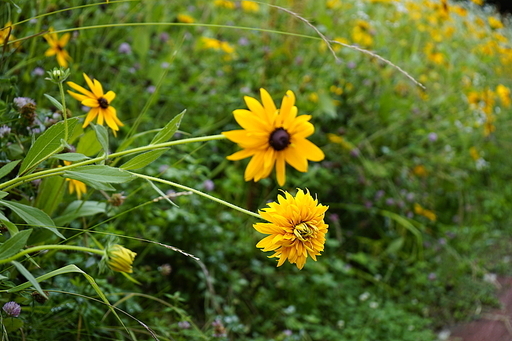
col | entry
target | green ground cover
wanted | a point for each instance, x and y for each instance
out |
(410, 104)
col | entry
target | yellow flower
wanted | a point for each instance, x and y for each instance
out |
(430, 215)
(224, 3)
(271, 136)
(6, 33)
(99, 103)
(184, 18)
(215, 44)
(504, 95)
(120, 258)
(361, 34)
(473, 152)
(478, 2)
(420, 170)
(57, 47)
(296, 228)
(75, 185)
(495, 23)
(250, 6)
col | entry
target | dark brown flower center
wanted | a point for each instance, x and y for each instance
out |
(279, 139)
(103, 103)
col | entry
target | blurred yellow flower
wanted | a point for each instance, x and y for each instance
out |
(420, 170)
(430, 215)
(120, 258)
(313, 97)
(250, 6)
(6, 33)
(361, 33)
(57, 47)
(504, 95)
(224, 3)
(215, 44)
(473, 152)
(272, 136)
(332, 4)
(296, 228)
(185, 18)
(478, 2)
(98, 102)
(495, 23)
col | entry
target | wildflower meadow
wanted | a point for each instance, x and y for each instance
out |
(252, 170)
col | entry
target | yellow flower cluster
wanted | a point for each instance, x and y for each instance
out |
(215, 44)
(430, 215)
(484, 102)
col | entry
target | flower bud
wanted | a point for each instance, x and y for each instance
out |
(120, 258)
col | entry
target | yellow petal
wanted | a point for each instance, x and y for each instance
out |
(80, 89)
(89, 102)
(296, 158)
(269, 105)
(91, 115)
(280, 169)
(109, 96)
(242, 154)
(309, 150)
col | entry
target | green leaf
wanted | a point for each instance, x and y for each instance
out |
(30, 278)
(72, 157)
(99, 173)
(32, 216)
(3, 194)
(88, 143)
(14, 244)
(101, 135)
(55, 102)
(79, 209)
(50, 194)
(142, 160)
(10, 226)
(6, 169)
(71, 269)
(45, 146)
(168, 131)
(12, 324)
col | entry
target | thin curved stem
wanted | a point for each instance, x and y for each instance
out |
(51, 247)
(50, 172)
(220, 201)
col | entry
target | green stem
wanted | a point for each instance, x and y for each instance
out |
(64, 111)
(220, 201)
(53, 171)
(51, 247)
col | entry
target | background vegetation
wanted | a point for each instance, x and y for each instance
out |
(417, 179)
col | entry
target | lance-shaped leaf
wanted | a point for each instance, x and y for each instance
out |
(142, 160)
(46, 145)
(79, 209)
(14, 244)
(99, 174)
(7, 168)
(30, 277)
(168, 131)
(72, 157)
(32, 216)
(102, 135)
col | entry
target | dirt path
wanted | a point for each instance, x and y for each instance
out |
(495, 325)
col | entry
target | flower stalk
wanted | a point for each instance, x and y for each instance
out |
(220, 201)
(58, 171)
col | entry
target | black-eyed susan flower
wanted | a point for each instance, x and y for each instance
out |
(273, 137)
(76, 185)
(98, 102)
(57, 47)
(296, 228)
(120, 258)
